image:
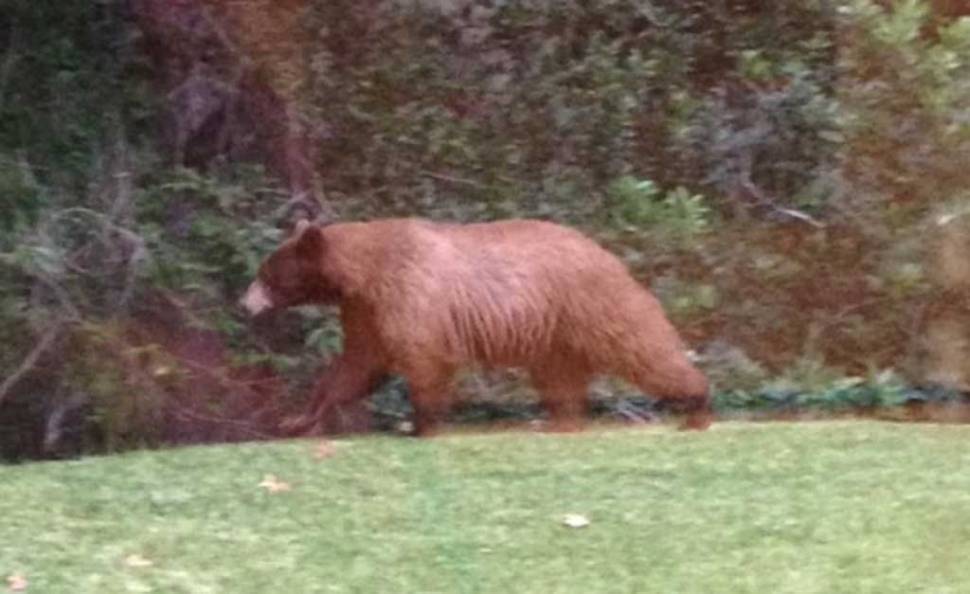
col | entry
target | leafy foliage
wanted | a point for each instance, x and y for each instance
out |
(677, 214)
(525, 108)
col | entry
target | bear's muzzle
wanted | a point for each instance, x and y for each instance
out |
(257, 299)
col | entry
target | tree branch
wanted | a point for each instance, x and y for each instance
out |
(30, 360)
(765, 200)
(454, 180)
(6, 67)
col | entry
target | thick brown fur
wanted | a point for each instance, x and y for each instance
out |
(423, 299)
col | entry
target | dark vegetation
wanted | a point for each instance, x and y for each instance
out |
(789, 177)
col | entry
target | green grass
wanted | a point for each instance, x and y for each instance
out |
(830, 507)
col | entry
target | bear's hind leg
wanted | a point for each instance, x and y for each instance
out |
(682, 387)
(696, 411)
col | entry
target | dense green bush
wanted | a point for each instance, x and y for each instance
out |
(535, 108)
(907, 139)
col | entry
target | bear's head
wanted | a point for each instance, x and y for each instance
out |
(293, 274)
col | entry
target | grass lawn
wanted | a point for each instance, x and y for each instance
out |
(847, 506)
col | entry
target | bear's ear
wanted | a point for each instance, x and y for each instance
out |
(310, 240)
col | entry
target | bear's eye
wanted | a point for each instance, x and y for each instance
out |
(271, 278)
(282, 279)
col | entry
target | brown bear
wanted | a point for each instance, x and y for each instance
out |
(423, 299)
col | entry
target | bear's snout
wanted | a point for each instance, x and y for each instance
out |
(257, 299)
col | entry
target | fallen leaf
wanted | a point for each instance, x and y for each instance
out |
(274, 485)
(323, 450)
(16, 582)
(575, 521)
(137, 561)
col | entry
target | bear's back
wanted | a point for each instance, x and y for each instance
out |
(498, 292)
(415, 250)
(545, 252)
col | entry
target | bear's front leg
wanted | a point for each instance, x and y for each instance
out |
(429, 414)
(350, 377)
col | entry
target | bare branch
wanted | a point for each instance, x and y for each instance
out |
(797, 214)
(66, 303)
(136, 243)
(631, 414)
(6, 66)
(765, 200)
(244, 426)
(312, 210)
(30, 360)
(54, 427)
(454, 180)
(121, 176)
(245, 62)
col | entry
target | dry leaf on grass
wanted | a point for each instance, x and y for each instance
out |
(324, 449)
(137, 561)
(16, 582)
(575, 521)
(274, 485)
